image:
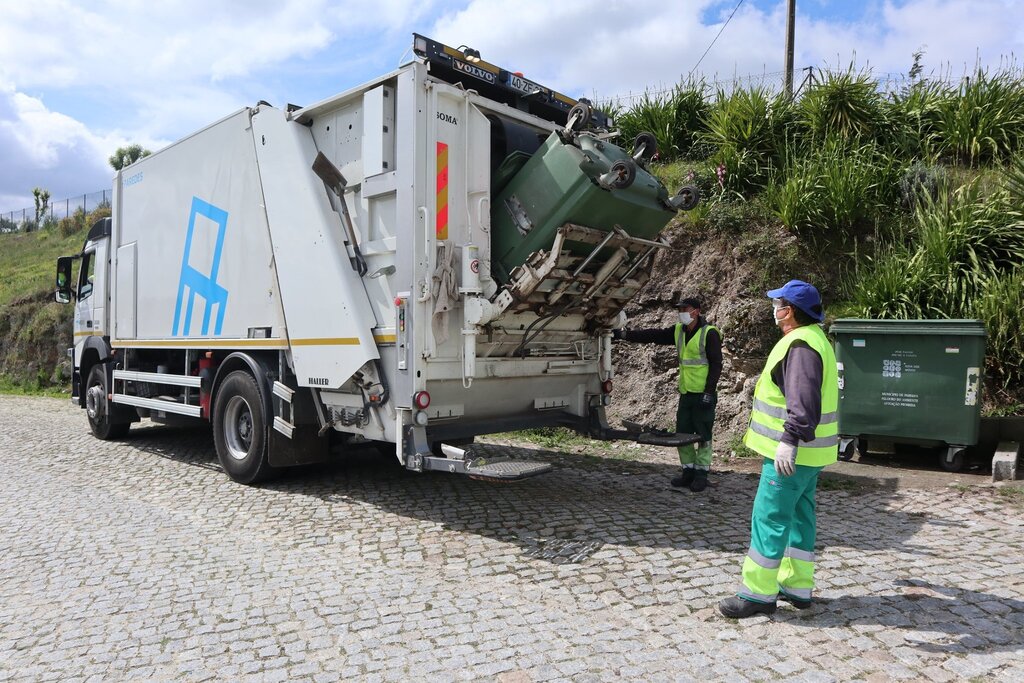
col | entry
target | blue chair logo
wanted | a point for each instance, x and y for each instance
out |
(203, 284)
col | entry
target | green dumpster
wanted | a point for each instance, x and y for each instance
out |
(910, 381)
(558, 184)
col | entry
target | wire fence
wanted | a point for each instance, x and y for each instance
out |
(772, 81)
(25, 220)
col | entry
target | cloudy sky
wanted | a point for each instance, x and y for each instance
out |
(78, 78)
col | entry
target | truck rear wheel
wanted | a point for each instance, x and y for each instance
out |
(240, 430)
(97, 407)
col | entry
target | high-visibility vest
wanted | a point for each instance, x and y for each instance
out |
(769, 412)
(693, 359)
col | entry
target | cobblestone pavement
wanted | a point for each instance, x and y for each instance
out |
(139, 559)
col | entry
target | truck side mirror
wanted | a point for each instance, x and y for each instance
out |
(63, 294)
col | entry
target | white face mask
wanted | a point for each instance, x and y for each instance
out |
(685, 317)
(775, 315)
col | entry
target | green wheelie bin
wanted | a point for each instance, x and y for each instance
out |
(915, 382)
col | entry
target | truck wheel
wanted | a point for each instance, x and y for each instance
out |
(97, 407)
(240, 430)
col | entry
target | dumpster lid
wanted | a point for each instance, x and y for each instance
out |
(968, 328)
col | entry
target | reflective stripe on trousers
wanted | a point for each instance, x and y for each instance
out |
(782, 534)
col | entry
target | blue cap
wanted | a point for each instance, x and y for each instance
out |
(802, 295)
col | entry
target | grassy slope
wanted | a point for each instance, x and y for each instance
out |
(34, 329)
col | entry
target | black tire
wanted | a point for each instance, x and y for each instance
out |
(954, 465)
(240, 430)
(98, 407)
(847, 453)
(862, 447)
(687, 198)
(625, 173)
(648, 142)
(582, 112)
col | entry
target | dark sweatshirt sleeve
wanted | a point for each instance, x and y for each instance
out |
(665, 337)
(713, 349)
(799, 375)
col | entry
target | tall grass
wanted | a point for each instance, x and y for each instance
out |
(982, 120)
(965, 261)
(675, 119)
(834, 188)
(748, 128)
(845, 104)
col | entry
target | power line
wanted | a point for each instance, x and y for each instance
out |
(716, 39)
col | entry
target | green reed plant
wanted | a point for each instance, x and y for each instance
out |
(747, 127)
(675, 119)
(834, 188)
(982, 120)
(844, 104)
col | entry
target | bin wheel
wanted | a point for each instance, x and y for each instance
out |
(579, 117)
(625, 173)
(952, 461)
(686, 198)
(862, 447)
(847, 453)
(645, 146)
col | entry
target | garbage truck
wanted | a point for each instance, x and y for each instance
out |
(435, 255)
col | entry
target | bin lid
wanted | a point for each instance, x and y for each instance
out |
(968, 328)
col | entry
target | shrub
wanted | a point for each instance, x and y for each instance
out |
(675, 120)
(76, 222)
(747, 130)
(981, 121)
(845, 104)
(921, 182)
(834, 189)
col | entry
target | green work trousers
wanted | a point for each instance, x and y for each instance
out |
(693, 417)
(782, 529)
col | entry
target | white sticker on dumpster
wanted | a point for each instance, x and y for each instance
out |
(973, 380)
(952, 349)
(859, 343)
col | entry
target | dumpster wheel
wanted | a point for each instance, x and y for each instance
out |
(952, 460)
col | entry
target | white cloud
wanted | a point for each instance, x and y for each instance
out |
(79, 79)
(623, 48)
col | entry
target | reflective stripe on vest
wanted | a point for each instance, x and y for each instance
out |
(769, 410)
(693, 359)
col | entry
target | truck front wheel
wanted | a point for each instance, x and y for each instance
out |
(97, 407)
(240, 430)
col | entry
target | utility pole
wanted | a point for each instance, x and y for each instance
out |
(790, 30)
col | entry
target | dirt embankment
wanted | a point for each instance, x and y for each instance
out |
(728, 272)
(35, 334)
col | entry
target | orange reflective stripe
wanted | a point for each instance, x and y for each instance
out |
(441, 223)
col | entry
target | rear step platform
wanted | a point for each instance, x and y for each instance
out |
(459, 461)
(507, 470)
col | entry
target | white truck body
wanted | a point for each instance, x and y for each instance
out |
(228, 248)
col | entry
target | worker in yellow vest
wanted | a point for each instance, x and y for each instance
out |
(793, 425)
(699, 350)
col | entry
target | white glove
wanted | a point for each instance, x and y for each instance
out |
(785, 459)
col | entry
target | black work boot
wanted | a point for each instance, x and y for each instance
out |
(738, 608)
(799, 603)
(700, 481)
(683, 479)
